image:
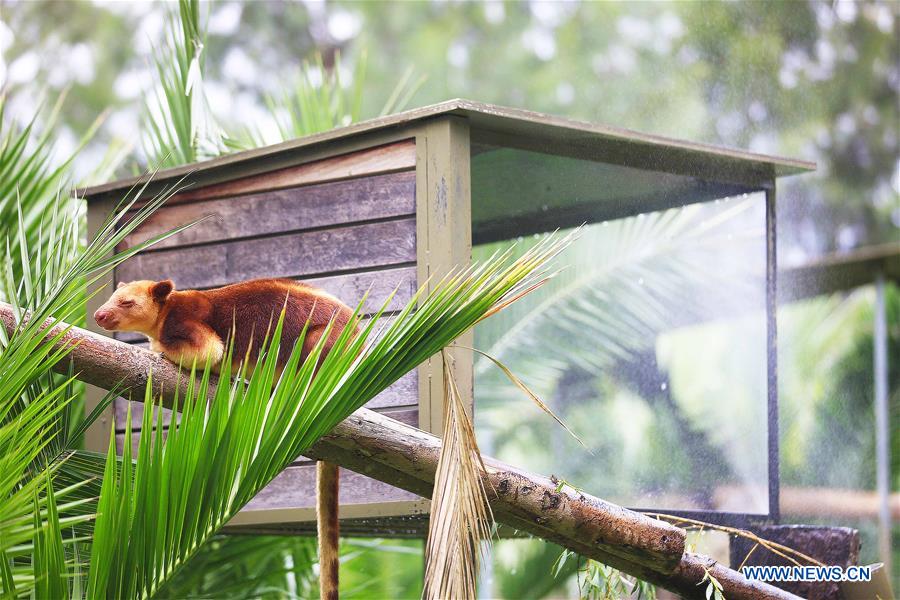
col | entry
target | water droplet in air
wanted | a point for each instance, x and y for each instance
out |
(663, 386)
(641, 281)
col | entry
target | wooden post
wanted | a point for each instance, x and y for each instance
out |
(882, 427)
(328, 525)
(444, 234)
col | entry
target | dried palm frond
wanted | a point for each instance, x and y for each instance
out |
(460, 515)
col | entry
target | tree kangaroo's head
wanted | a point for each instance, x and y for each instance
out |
(134, 306)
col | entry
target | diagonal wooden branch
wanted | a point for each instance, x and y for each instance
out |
(390, 451)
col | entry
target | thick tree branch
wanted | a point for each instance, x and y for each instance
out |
(390, 451)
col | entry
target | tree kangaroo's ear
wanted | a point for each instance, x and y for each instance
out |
(161, 289)
(121, 284)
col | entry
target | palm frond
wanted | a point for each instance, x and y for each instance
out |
(624, 283)
(49, 556)
(178, 123)
(460, 518)
(37, 427)
(31, 178)
(248, 566)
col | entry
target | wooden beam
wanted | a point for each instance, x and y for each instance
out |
(443, 241)
(835, 503)
(406, 457)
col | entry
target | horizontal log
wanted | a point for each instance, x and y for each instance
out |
(351, 287)
(377, 446)
(822, 502)
(279, 211)
(370, 443)
(314, 252)
(694, 567)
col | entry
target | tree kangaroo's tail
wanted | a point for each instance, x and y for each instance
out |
(328, 528)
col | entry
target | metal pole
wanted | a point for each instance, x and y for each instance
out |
(882, 430)
(772, 356)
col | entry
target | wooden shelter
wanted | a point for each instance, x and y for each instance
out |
(385, 204)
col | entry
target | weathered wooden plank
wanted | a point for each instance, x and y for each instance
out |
(313, 252)
(137, 415)
(135, 440)
(388, 158)
(406, 415)
(295, 487)
(404, 392)
(398, 156)
(278, 211)
(351, 288)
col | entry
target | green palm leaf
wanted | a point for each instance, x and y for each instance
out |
(624, 283)
(37, 427)
(30, 179)
(248, 566)
(178, 124)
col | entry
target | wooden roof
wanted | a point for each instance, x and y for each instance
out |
(839, 271)
(512, 123)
